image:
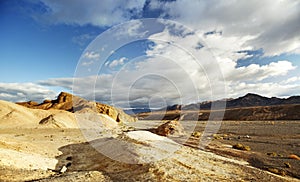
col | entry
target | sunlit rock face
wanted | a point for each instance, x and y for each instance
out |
(69, 102)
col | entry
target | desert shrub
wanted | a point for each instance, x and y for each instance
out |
(196, 134)
(217, 137)
(272, 154)
(241, 147)
(287, 165)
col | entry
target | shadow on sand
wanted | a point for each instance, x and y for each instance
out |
(86, 157)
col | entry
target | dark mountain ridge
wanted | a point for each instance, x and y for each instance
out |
(249, 100)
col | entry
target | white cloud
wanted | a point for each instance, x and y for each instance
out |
(91, 55)
(272, 25)
(226, 61)
(269, 89)
(87, 63)
(255, 72)
(226, 47)
(117, 62)
(18, 92)
(291, 80)
(133, 29)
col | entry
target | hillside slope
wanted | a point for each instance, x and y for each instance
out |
(16, 116)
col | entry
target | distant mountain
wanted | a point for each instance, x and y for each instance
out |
(255, 113)
(134, 111)
(249, 100)
(248, 107)
(146, 110)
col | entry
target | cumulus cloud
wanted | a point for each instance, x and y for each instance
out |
(255, 72)
(272, 25)
(255, 23)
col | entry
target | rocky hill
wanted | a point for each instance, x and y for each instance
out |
(71, 103)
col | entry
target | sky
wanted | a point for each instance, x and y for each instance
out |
(142, 53)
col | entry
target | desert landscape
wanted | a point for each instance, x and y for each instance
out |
(49, 144)
(149, 90)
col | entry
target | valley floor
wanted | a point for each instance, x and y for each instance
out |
(40, 153)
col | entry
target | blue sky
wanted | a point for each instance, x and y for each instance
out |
(32, 50)
(43, 44)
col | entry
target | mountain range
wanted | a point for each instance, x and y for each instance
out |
(248, 107)
(249, 100)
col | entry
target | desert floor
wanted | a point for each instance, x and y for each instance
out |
(271, 143)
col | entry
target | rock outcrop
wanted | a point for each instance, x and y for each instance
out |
(64, 101)
(170, 128)
(71, 103)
